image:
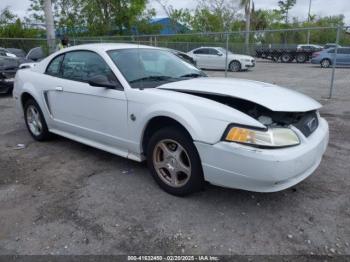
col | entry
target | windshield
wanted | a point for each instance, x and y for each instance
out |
(148, 68)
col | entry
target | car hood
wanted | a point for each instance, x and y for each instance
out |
(270, 96)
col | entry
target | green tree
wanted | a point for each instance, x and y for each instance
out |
(6, 16)
(214, 16)
(96, 17)
(285, 6)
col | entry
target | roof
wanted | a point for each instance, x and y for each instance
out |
(169, 26)
(105, 46)
(155, 20)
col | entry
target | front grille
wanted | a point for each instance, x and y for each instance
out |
(308, 123)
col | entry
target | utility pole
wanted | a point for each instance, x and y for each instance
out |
(308, 21)
(334, 62)
(50, 27)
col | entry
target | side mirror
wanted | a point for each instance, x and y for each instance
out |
(35, 54)
(220, 54)
(102, 81)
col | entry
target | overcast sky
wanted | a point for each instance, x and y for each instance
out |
(319, 7)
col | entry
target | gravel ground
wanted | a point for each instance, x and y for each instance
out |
(62, 197)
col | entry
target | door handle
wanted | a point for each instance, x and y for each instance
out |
(59, 88)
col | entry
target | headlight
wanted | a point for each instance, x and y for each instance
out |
(270, 138)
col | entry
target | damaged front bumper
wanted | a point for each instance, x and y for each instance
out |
(263, 170)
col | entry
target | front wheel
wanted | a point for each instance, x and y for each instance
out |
(325, 63)
(174, 162)
(235, 66)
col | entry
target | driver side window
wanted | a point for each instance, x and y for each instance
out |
(83, 66)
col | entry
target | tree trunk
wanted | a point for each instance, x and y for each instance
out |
(50, 27)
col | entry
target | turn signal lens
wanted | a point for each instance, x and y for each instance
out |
(273, 137)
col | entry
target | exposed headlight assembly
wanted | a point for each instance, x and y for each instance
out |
(269, 138)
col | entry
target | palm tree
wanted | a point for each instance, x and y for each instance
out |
(247, 5)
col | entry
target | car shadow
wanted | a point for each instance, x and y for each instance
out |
(331, 67)
(210, 194)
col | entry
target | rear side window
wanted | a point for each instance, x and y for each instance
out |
(55, 65)
(198, 51)
(202, 51)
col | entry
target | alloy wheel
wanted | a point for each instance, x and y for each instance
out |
(34, 121)
(172, 163)
(235, 66)
(325, 63)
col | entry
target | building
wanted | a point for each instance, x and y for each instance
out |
(168, 26)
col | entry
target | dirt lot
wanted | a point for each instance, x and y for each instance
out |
(61, 197)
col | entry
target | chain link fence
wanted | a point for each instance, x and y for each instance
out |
(282, 56)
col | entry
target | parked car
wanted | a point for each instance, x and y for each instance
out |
(17, 52)
(309, 47)
(11, 62)
(330, 45)
(326, 57)
(5, 52)
(8, 68)
(142, 102)
(215, 58)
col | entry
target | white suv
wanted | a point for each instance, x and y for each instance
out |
(215, 58)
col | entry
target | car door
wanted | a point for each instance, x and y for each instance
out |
(216, 59)
(347, 56)
(91, 112)
(341, 56)
(201, 56)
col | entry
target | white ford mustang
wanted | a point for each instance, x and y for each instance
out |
(141, 102)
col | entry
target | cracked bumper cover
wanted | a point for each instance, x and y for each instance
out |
(263, 170)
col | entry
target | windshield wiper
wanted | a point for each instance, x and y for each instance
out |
(194, 75)
(152, 78)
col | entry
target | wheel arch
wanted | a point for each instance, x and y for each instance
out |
(155, 124)
(235, 60)
(25, 96)
(326, 58)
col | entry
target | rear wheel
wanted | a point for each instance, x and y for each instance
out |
(235, 66)
(35, 121)
(325, 63)
(174, 162)
(286, 58)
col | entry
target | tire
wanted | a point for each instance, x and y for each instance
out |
(301, 58)
(174, 162)
(235, 66)
(286, 58)
(275, 58)
(35, 121)
(325, 63)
